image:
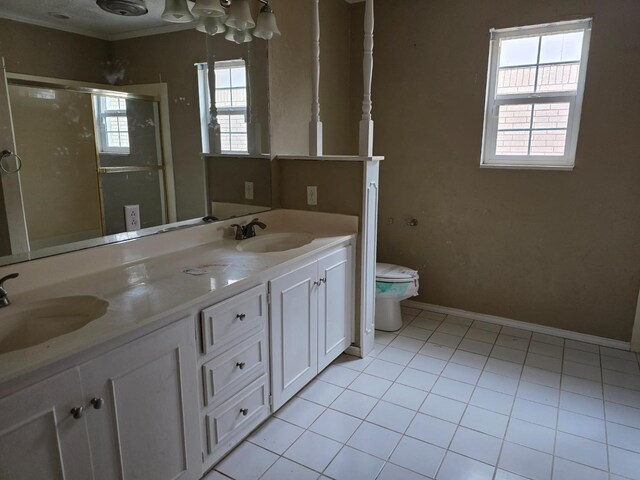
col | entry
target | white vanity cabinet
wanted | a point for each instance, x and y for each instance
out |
(311, 321)
(138, 417)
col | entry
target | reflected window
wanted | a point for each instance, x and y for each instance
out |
(112, 124)
(534, 94)
(230, 102)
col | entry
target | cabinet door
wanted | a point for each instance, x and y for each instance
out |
(148, 426)
(39, 438)
(294, 332)
(335, 305)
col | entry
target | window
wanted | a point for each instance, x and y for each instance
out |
(534, 95)
(113, 127)
(231, 105)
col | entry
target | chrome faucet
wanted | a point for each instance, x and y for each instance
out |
(4, 297)
(248, 230)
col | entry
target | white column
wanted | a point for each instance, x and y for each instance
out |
(254, 137)
(214, 126)
(315, 126)
(366, 124)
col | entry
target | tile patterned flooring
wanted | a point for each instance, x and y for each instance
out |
(450, 398)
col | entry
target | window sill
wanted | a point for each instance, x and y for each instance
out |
(559, 168)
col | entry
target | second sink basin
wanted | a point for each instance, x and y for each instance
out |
(23, 326)
(275, 242)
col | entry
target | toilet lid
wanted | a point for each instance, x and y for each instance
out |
(389, 273)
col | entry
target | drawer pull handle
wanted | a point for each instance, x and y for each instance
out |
(77, 412)
(323, 280)
(241, 316)
(244, 411)
(317, 284)
(97, 403)
(240, 365)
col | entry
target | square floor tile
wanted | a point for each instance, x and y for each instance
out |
(624, 396)
(551, 364)
(587, 347)
(444, 408)
(485, 421)
(350, 464)
(276, 435)
(469, 359)
(417, 379)
(445, 339)
(508, 354)
(404, 396)
(425, 323)
(581, 450)
(457, 467)
(335, 425)
(384, 338)
(432, 430)
(285, 469)
(406, 343)
(504, 475)
(437, 351)
(580, 356)
(564, 469)
(475, 346)
(427, 364)
(624, 462)
(581, 404)
(374, 440)
(370, 385)
(452, 329)
(215, 475)
(540, 348)
(338, 375)
(477, 445)
(384, 369)
(538, 393)
(533, 412)
(418, 456)
(396, 355)
(352, 362)
(516, 332)
(416, 332)
(433, 315)
(491, 400)
(581, 386)
(502, 367)
(544, 338)
(525, 461)
(499, 383)
(621, 365)
(623, 415)
(461, 373)
(623, 437)
(540, 376)
(619, 379)
(531, 435)
(394, 472)
(321, 392)
(459, 320)
(581, 370)
(491, 327)
(300, 412)
(391, 416)
(512, 341)
(582, 426)
(454, 389)
(354, 403)
(481, 335)
(248, 461)
(313, 451)
(617, 353)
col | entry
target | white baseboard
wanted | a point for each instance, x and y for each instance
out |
(534, 327)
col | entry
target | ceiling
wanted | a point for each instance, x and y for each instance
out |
(86, 18)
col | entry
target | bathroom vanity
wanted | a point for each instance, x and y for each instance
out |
(196, 348)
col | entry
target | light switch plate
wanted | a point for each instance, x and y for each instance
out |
(312, 195)
(132, 217)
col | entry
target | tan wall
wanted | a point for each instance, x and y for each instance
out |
(226, 177)
(554, 248)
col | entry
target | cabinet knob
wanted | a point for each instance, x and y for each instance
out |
(317, 284)
(323, 280)
(241, 316)
(244, 411)
(97, 403)
(240, 365)
(77, 412)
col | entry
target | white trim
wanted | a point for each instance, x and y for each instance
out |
(534, 327)
(635, 335)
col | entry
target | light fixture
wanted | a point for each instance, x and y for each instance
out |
(211, 25)
(177, 11)
(238, 36)
(209, 8)
(266, 26)
(240, 16)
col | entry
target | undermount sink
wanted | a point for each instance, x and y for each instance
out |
(30, 324)
(275, 242)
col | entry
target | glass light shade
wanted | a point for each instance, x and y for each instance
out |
(266, 26)
(211, 25)
(209, 8)
(238, 36)
(240, 16)
(177, 11)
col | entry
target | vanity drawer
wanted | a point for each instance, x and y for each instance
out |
(229, 371)
(228, 423)
(233, 317)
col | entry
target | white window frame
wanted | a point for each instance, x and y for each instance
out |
(102, 113)
(493, 101)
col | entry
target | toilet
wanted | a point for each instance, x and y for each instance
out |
(393, 284)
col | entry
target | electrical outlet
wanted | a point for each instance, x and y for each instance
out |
(248, 190)
(132, 217)
(312, 195)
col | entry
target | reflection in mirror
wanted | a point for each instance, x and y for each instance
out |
(112, 123)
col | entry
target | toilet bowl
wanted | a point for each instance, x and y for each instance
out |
(393, 284)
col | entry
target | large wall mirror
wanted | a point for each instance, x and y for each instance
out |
(126, 126)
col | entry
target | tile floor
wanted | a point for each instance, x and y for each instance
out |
(450, 398)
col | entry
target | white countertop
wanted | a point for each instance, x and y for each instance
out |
(144, 293)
